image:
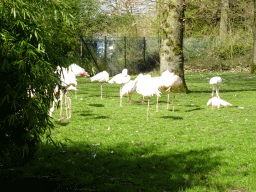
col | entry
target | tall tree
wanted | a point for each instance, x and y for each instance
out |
(171, 51)
(224, 18)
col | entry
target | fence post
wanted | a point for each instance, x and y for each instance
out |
(81, 48)
(125, 52)
(105, 51)
(144, 49)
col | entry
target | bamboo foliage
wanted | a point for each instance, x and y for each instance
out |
(30, 49)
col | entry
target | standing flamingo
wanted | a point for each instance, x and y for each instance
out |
(130, 87)
(170, 81)
(121, 79)
(101, 77)
(216, 82)
(68, 79)
(78, 71)
(148, 88)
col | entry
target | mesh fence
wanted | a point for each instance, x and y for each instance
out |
(141, 54)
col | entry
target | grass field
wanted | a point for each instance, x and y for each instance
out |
(113, 148)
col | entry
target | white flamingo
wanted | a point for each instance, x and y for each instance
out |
(215, 101)
(148, 88)
(101, 77)
(142, 77)
(68, 79)
(78, 71)
(216, 82)
(130, 87)
(171, 81)
(121, 79)
(167, 81)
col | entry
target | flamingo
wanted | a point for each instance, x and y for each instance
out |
(128, 88)
(215, 101)
(215, 82)
(78, 71)
(101, 77)
(167, 81)
(142, 77)
(170, 81)
(68, 79)
(148, 88)
(121, 78)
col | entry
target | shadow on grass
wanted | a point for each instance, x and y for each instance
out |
(195, 109)
(124, 167)
(63, 122)
(97, 105)
(172, 117)
(101, 117)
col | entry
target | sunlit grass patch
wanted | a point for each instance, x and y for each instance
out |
(194, 148)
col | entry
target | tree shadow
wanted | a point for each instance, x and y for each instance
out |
(124, 167)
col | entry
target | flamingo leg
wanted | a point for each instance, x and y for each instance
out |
(168, 100)
(69, 103)
(147, 109)
(130, 97)
(157, 103)
(66, 105)
(52, 109)
(212, 90)
(120, 96)
(61, 103)
(75, 92)
(173, 102)
(217, 91)
(101, 91)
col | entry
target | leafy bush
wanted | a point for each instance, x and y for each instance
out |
(29, 52)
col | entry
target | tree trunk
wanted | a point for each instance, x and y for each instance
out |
(171, 51)
(224, 18)
(253, 66)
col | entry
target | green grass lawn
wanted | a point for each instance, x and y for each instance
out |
(113, 148)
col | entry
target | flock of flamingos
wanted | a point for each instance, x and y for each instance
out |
(145, 85)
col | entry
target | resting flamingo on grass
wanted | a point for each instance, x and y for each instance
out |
(121, 78)
(215, 101)
(101, 77)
